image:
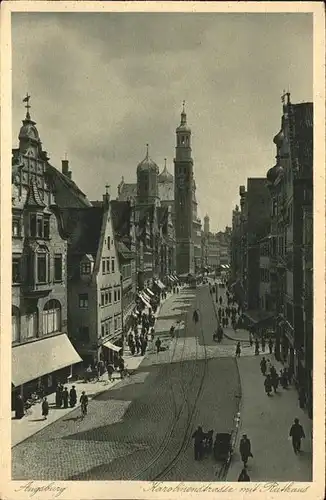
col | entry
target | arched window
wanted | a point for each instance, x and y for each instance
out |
(32, 321)
(15, 324)
(51, 317)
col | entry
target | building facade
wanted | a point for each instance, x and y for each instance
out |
(183, 196)
(290, 182)
(39, 272)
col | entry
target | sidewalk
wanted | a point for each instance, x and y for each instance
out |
(33, 423)
(267, 421)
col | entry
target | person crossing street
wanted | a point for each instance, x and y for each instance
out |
(296, 433)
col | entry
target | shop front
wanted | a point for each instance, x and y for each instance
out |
(38, 367)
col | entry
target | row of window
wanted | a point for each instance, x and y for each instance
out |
(51, 321)
(106, 326)
(39, 273)
(106, 265)
(106, 296)
(39, 226)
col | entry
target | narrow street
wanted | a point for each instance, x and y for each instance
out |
(141, 428)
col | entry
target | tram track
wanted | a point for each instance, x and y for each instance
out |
(177, 411)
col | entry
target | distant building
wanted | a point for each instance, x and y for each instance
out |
(39, 270)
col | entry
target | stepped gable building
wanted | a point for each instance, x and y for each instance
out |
(94, 282)
(183, 197)
(291, 241)
(39, 271)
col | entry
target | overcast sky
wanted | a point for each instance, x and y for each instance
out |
(103, 85)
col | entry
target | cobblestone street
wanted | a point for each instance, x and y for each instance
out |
(140, 426)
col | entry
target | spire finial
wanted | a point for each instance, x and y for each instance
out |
(26, 99)
(165, 163)
(66, 156)
(147, 146)
(107, 187)
(183, 106)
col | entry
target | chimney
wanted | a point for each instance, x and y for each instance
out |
(65, 167)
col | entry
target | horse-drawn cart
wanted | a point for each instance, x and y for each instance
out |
(222, 447)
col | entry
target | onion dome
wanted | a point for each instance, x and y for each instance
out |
(165, 176)
(147, 165)
(274, 172)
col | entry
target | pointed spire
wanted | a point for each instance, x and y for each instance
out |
(183, 114)
(165, 169)
(147, 152)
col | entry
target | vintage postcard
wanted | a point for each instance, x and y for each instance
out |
(162, 250)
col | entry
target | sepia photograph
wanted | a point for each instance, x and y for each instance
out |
(163, 179)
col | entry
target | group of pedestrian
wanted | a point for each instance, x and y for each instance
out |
(138, 342)
(63, 398)
(272, 378)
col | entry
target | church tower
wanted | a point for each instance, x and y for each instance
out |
(206, 225)
(147, 181)
(183, 198)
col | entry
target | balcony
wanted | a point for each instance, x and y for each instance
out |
(37, 289)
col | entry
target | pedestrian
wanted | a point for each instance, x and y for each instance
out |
(110, 370)
(274, 379)
(121, 367)
(268, 367)
(195, 316)
(19, 407)
(65, 397)
(297, 433)
(268, 385)
(152, 334)
(263, 366)
(143, 347)
(158, 345)
(220, 300)
(263, 343)
(83, 403)
(244, 475)
(58, 401)
(72, 397)
(238, 350)
(138, 346)
(283, 379)
(45, 408)
(302, 398)
(251, 341)
(172, 331)
(245, 449)
(270, 345)
(198, 436)
(132, 347)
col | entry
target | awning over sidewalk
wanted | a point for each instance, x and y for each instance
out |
(258, 316)
(147, 297)
(110, 345)
(35, 359)
(150, 293)
(145, 302)
(172, 278)
(159, 284)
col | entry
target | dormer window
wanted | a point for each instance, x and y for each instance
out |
(85, 268)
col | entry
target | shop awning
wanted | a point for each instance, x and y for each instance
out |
(257, 316)
(111, 346)
(172, 278)
(35, 359)
(159, 284)
(147, 297)
(145, 302)
(149, 292)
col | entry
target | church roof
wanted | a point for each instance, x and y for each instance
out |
(147, 164)
(165, 175)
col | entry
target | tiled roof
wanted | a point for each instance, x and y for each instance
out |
(121, 213)
(84, 228)
(55, 176)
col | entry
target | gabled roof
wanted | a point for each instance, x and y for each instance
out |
(84, 228)
(56, 178)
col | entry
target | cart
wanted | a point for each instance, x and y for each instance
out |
(222, 447)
